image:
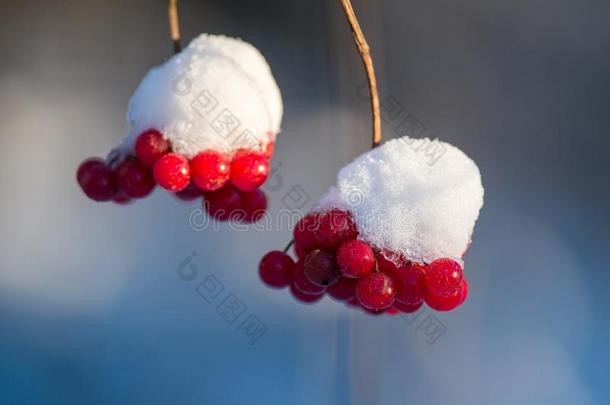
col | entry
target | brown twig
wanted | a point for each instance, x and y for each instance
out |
(365, 54)
(174, 25)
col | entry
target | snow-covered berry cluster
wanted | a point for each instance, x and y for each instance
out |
(202, 124)
(389, 237)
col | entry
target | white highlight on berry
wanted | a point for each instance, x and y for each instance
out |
(417, 197)
(218, 93)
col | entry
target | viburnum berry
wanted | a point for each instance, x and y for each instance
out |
(410, 284)
(249, 170)
(344, 289)
(355, 258)
(224, 204)
(441, 303)
(375, 291)
(407, 308)
(210, 170)
(134, 179)
(172, 172)
(302, 283)
(275, 269)
(96, 180)
(304, 236)
(335, 227)
(298, 250)
(305, 298)
(320, 268)
(444, 277)
(150, 146)
(254, 204)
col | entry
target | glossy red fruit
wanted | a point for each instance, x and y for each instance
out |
(375, 291)
(134, 179)
(172, 172)
(335, 227)
(410, 284)
(96, 180)
(302, 283)
(355, 258)
(344, 289)
(320, 268)
(254, 204)
(210, 170)
(407, 308)
(189, 193)
(448, 303)
(249, 170)
(304, 232)
(224, 204)
(275, 269)
(444, 277)
(305, 298)
(150, 146)
(353, 303)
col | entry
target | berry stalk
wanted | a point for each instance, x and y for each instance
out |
(174, 25)
(367, 60)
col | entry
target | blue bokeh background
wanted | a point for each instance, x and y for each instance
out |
(92, 308)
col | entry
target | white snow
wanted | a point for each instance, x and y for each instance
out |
(218, 93)
(417, 197)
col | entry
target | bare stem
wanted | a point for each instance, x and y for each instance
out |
(174, 25)
(365, 54)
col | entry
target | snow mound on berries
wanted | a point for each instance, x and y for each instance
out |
(218, 93)
(417, 197)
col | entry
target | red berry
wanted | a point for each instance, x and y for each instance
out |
(407, 308)
(355, 258)
(410, 284)
(275, 269)
(190, 193)
(353, 302)
(224, 204)
(210, 170)
(375, 291)
(303, 232)
(305, 298)
(135, 179)
(302, 283)
(320, 268)
(335, 227)
(249, 170)
(96, 180)
(344, 289)
(172, 172)
(444, 277)
(254, 205)
(150, 146)
(448, 303)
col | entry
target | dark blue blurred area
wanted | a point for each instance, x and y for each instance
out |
(92, 305)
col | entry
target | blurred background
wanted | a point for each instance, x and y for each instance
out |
(92, 305)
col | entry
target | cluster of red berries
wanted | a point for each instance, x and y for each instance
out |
(332, 260)
(227, 184)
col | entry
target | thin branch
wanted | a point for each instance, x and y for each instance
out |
(174, 25)
(365, 54)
